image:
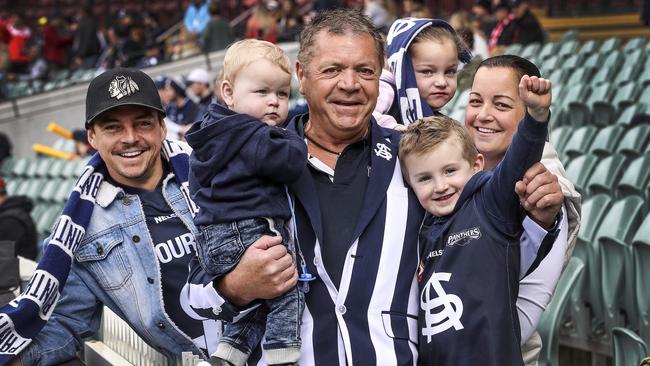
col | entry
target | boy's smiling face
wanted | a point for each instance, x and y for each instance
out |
(261, 90)
(438, 176)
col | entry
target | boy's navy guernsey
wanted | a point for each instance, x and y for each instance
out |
(240, 165)
(470, 275)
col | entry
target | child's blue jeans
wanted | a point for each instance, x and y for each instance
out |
(220, 247)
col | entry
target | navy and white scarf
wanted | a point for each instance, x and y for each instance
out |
(400, 36)
(24, 317)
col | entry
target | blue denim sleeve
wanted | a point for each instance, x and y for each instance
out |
(77, 315)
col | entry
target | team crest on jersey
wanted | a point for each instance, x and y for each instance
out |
(463, 237)
(442, 311)
(122, 86)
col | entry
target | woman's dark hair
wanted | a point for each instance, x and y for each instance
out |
(519, 64)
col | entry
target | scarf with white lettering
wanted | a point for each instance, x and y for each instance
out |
(400, 36)
(498, 29)
(24, 317)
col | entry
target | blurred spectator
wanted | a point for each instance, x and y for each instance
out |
(473, 37)
(503, 33)
(5, 37)
(216, 89)
(111, 55)
(134, 46)
(85, 46)
(196, 17)
(645, 12)
(151, 28)
(16, 224)
(5, 147)
(217, 34)
(378, 14)
(263, 23)
(290, 23)
(527, 28)
(55, 43)
(178, 107)
(415, 8)
(81, 145)
(198, 88)
(482, 11)
(19, 53)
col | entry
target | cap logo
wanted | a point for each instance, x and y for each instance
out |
(122, 86)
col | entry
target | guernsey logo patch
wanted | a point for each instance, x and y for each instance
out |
(463, 237)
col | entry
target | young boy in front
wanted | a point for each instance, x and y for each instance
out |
(238, 172)
(468, 246)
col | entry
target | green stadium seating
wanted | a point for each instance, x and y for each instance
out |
(547, 50)
(607, 174)
(34, 187)
(629, 348)
(625, 75)
(69, 169)
(551, 63)
(7, 166)
(610, 44)
(614, 241)
(49, 189)
(580, 141)
(579, 171)
(589, 47)
(594, 61)
(574, 61)
(530, 50)
(38, 211)
(20, 167)
(625, 95)
(641, 256)
(32, 168)
(644, 78)
(549, 324)
(634, 60)
(577, 93)
(513, 49)
(580, 75)
(12, 185)
(636, 178)
(570, 35)
(634, 141)
(568, 48)
(586, 295)
(64, 190)
(635, 44)
(604, 75)
(606, 140)
(42, 166)
(605, 110)
(56, 168)
(644, 98)
(46, 221)
(580, 113)
(625, 117)
(559, 137)
(557, 77)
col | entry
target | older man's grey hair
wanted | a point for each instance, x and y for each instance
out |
(338, 22)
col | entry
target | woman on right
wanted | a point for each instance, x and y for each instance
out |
(492, 117)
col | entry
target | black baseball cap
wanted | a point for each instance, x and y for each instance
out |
(118, 87)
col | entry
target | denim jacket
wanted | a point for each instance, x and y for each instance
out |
(115, 266)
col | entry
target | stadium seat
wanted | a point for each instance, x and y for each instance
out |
(606, 140)
(64, 190)
(610, 44)
(574, 61)
(49, 189)
(580, 141)
(626, 74)
(6, 167)
(31, 171)
(589, 47)
(549, 49)
(20, 167)
(594, 61)
(629, 348)
(634, 44)
(568, 48)
(38, 211)
(644, 98)
(530, 50)
(586, 295)
(513, 49)
(69, 169)
(551, 63)
(579, 171)
(641, 256)
(42, 166)
(604, 111)
(570, 35)
(46, 221)
(607, 174)
(549, 324)
(581, 75)
(614, 241)
(580, 112)
(12, 185)
(56, 168)
(635, 178)
(604, 75)
(634, 141)
(559, 137)
(34, 188)
(625, 117)
(634, 60)
(577, 93)
(644, 78)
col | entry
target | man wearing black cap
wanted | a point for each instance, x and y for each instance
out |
(134, 252)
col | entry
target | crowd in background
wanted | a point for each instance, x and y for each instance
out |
(35, 49)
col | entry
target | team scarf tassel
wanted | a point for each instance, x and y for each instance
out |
(400, 36)
(25, 316)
